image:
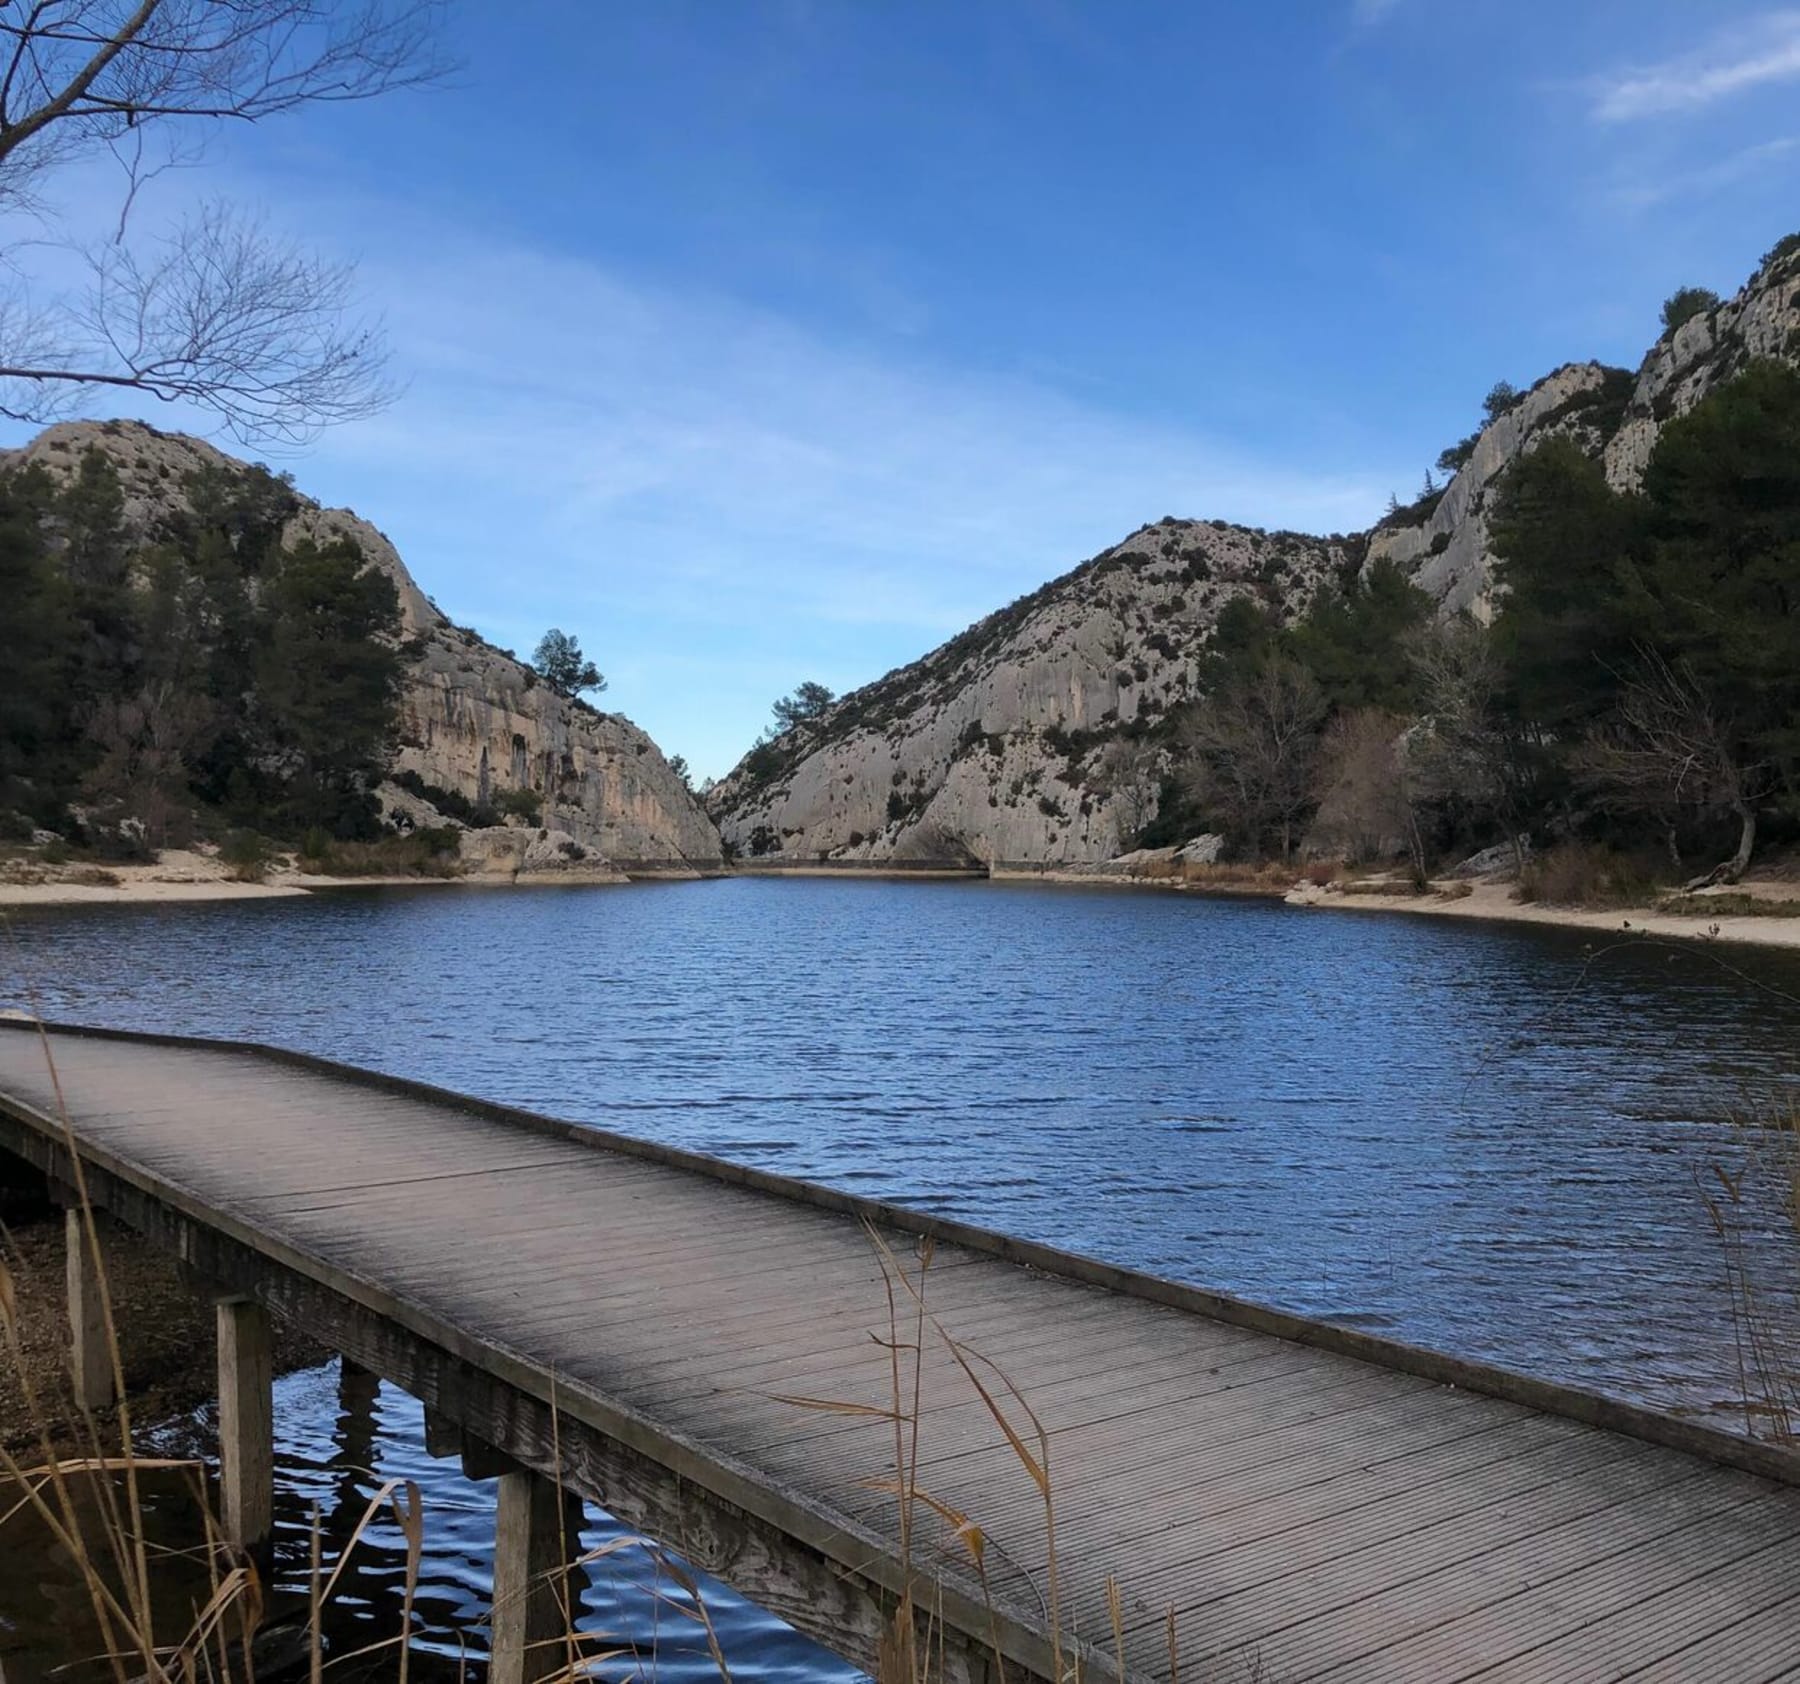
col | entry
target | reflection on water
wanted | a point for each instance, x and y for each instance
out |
(340, 1437)
(1482, 1139)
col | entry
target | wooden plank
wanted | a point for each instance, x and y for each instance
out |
(1758, 1650)
(1655, 1626)
(1451, 1616)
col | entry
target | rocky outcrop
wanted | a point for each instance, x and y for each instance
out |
(474, 721)
(1033, 737)
(1028, 737)
(1442, 542)
(1613, 414)
(518, 854)
(1683, 366)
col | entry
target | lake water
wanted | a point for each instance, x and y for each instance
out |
(1489, 1139)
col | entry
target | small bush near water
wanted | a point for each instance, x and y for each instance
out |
(1578, 874)
(246, 855)
(429, 851)
(1728, 906)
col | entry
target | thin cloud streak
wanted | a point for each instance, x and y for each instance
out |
(1711, 178)
(1766, 51)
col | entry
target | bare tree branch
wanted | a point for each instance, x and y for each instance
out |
(1250, 751)
(218, 313)
(1667, 748)
(98, 68)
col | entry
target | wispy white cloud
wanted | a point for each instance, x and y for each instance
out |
(1741, 166)
(1368, 13)
(1750, 55)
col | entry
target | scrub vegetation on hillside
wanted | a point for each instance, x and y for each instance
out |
(212, 678)
(1638, 687)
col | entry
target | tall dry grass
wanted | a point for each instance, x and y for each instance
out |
(193, 1614)
(915, 1646)
(1738, 1200)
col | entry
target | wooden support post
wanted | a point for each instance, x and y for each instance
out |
(246, 1425)
(533, 1594)
(90, 1354)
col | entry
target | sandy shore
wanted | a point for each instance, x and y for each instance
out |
(177, 876)
(1493, 901)
(183, 876)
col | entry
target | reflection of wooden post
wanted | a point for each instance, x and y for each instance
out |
(531, 1586)
(90, 1357)
(246, 1424)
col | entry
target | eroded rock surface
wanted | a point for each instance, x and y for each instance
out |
(1028, 737)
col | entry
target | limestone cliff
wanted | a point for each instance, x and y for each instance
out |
(473, 720)
(1442, 543)
(1031, 736)
(1610, 412)
(1025, 738)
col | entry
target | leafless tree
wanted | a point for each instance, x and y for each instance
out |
(145, 742)
(1469, 753)
(1667, 749)
(1368, 800)
(215, 312)
(1250, 752)
(1127, 775)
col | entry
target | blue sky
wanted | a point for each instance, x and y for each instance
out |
(762, 342)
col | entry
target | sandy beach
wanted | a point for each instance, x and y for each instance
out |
(179, 875)
(1493, 901)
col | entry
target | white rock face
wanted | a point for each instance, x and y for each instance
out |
(1447, 555)
(473, 720)
(1611, 414)
(995, 747)
(1762, 321)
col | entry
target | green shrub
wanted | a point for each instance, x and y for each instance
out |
(1454, 458)
(1732, 905)
(1501, 397)
(526, 804)
(1786, 247)
(246, 855)
(428, 851)
(1685, 304)
(477, 815)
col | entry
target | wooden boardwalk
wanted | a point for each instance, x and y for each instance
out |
(1312, 1503)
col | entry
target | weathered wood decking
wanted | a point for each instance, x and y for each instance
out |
(1310, 1501)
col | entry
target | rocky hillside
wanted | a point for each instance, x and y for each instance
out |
(1612, 413)
(1025, 738)
(474, 721)
(1030, 737)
